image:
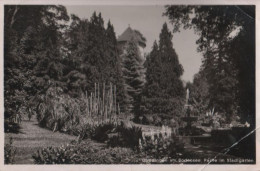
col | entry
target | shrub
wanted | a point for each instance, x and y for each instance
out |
(126, 137)
(130, 135)
(9, 152)
(153, 119)
(164, 108)
(116, 155)
(83, 131)
(50, 155)
(101, 132)
(89, 153)
(85, 153)
(157, 121)
(80, 116)
(147, 120)
(115, 141)
(11, 126)
(159, 146)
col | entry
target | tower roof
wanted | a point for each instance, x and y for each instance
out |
(129, 33)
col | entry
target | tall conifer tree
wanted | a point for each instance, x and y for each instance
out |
(114, 65)
(171, 68)
(132, 75)
(94, 55)
(163, 92)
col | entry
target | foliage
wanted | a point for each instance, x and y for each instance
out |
(79, 116)
(124, 136)
(9, 152)
(83, 131)
(32, 37)
(42, 51)
(92, 56)
(130, 135)
(161, 146)
(11, 127)
(132, 73)
(163, 91)
(116, 155)
(199, 94)
(222, 29)
(50, 155)
(85, 154)
(101, 132)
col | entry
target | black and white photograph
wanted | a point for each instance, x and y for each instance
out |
(129, 84)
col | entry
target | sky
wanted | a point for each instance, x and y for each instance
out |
(148, 20)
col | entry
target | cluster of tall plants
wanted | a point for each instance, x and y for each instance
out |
(61, 112)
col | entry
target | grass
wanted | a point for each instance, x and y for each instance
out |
(31, 137)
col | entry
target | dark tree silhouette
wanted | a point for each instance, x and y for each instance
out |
(227, 40)
(163, 92)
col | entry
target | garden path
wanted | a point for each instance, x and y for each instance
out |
(32, 137)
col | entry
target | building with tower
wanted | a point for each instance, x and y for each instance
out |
(129, 34)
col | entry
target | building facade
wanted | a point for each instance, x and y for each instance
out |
(129, 34)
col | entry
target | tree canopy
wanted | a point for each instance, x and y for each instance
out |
(42, 50)
(230, 73)
(163, 92)
(31, 52)
(132, 73)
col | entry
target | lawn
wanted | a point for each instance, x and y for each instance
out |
(33, 137)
